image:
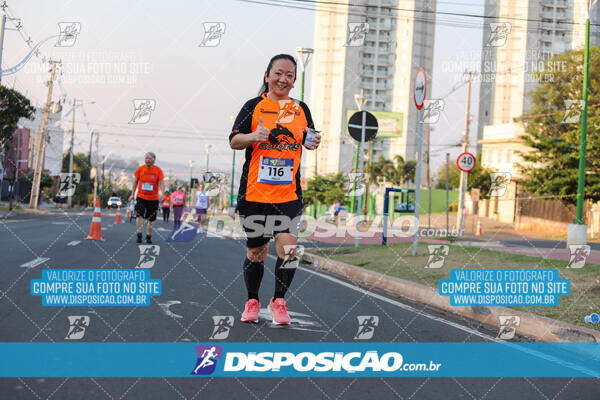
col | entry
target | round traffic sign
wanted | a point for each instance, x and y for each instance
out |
(466, 162)
(355, 126)
(420, 88)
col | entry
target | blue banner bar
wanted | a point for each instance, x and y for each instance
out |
(300, 359)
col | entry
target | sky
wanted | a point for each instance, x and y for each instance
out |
(151, 50)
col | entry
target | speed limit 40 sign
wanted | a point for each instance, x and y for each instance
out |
(466, 162)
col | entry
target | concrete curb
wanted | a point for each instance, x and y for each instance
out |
(531, 325)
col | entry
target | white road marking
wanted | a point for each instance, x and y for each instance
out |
(35, 262)
(74, 243)
(398, 304)
(165, 308)
(61, 223)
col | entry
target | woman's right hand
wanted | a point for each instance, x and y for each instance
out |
(261, 134)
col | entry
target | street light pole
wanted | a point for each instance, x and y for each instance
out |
(304, 55)
(577, 233)
(583, 141)
(70, 198)
(232, 171)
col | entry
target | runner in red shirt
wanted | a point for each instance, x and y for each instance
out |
(166, 206)
(150, 186)
(272, 128)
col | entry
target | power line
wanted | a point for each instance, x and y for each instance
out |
(319, 2)
(321, 6)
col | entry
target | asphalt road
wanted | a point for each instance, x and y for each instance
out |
(202, 279)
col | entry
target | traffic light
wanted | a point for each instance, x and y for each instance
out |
(193, 183)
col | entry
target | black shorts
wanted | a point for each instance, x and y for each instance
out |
(146, 209)
(260, 229)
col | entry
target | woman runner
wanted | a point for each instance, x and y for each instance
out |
(272, 128)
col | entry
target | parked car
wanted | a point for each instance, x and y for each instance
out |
(114, 202)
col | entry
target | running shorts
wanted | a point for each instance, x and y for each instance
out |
(146, 209)
(259, 228)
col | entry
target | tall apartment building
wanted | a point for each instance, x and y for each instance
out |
(382, 62)
(518, 38)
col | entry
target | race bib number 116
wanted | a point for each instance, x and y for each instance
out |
(275, 171)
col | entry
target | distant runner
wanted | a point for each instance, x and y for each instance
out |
(201, 206)
(166, 206)
(151, 187)
(272, 128)
(178, 199)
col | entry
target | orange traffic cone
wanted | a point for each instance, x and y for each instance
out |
(478, 230)
(96, 227)
(118, 218)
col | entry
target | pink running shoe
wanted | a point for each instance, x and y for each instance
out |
(251, 310)
(278, 310)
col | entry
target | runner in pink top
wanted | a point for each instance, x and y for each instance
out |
(178, 199)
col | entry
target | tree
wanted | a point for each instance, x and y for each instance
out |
(45, 180)
(478, 178)
(553, 164)
(397, 172)
(13, 106)
(326, 189)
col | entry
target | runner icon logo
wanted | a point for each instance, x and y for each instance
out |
(186, 232)
(357, 32)
(437, 255)
(500, 181)
(207, 359)
(432, 109)
(68, 33)
(366, 326)
(499, 32)
(212, 34)
(579, 253)
(355, 183)
(68, 183)
(508, 326)
(573, 111)
(223, 323)
(77, 325)
(148, 254)
(213, 182)
(142, 110)
(290, 262)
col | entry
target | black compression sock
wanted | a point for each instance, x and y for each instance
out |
(253, 273)
(283, 279)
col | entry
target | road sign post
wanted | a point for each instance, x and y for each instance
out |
(362, 126)
(466, 163)
(419, 93)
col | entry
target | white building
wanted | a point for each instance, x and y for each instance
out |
(382, 62)
(516, 42)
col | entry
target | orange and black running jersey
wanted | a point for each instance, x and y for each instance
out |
(271, 172)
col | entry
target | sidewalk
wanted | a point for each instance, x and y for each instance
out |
(491, 239)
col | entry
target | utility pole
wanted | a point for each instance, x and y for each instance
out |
(460, 222)
(447, 188)
(97, 165)
(428, 177)
(2, 24)
(39, 157)
(70, 198)
(16, 175)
